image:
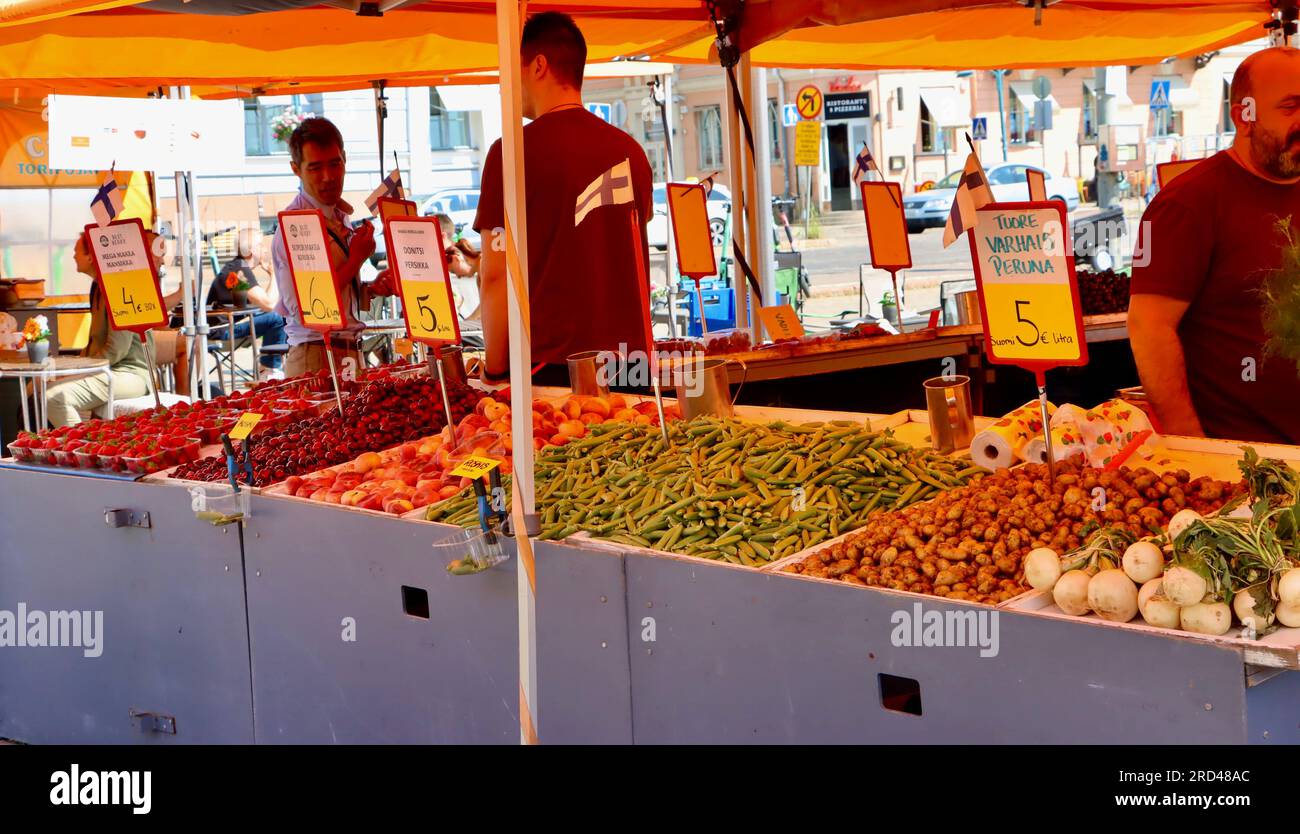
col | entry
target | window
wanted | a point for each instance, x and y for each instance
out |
(774, 128)
(708, 130)
(448, 129)
(1020, 123)
(1228, 125)
(658, 159)
(1089, 114)
(935, 138)
(1165, 121)
(259, 138)
(1008, 175)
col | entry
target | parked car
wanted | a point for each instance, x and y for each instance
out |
(460, 204)
(1007, 181)
(719, 204)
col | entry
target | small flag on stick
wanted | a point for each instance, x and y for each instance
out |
(390, 187)
(973, 193)
(107, 202)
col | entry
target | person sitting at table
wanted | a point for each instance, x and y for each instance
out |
(462, 266)
(268, 324)
(67, 401)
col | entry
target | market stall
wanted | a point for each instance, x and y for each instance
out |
(659, 602)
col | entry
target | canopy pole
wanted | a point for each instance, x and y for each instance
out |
(765, 256)
(664, 88)
(754, 245)
(381, 113)
(509, 29)
(736, 178)
(187, 277)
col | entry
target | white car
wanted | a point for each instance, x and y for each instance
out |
(460, 204)
(1007, 180)
(719, 205)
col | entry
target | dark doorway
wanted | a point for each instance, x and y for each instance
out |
(837, 155)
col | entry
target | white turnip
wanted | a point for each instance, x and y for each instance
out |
(1181, 521)
(1156, 609)
(1143, 561)
(1071, 592)
(1288, 587)
(1253, 607)
(1184, 586)
(1042, 568)
(1288, 615)
(1206, 618)
(1113, 596)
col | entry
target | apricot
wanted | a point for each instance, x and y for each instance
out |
(572, 428)
(596, 405)
(625, 415)
(573, 408)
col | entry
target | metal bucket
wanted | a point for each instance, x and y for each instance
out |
(947, 402)
(451, 362)
(588, 374)
(704, 386)
(966, 307)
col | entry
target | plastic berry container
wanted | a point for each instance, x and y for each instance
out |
(22, 454)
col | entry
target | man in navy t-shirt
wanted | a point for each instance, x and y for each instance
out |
(588, 192)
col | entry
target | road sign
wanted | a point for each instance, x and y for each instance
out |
(789, 116)
(808, 101)
(808, 143)
(620, 113)
(1042, 86)
(604, 111)
(1159, 94)
(979, 128)
(1043, 114)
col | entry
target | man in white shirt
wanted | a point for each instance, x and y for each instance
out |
(318, 159)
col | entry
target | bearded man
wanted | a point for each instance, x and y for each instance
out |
(1208, 239)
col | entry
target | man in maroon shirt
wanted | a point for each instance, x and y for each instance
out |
(1195, 318)
(587, 184)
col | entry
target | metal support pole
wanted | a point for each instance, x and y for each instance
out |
(666, 108)
(764, 251)
(521, 388)
(790, 184)
(735, 176)
(753, 249)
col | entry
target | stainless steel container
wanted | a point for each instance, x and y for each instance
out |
(704, 386)
(966, 307)
(947, 401)
(450, 362)
(589, 372)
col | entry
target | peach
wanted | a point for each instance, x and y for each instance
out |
(589, 418)
(539, 444)
(367, 461)
(449, 491)
(392, 484)
(617, 401)
(397, 506)
(495, 411)
(625, 415)
(408, 476)
(500, 426)
(644, 419)
(573, 408)
(333, 496)
(558, 440)
(424, 497)
(351, 497)
(319, 494)
(596, 405)
(573, 428)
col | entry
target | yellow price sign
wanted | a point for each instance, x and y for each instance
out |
(305, 243)
(126, 275)
(781, 322)
(244, 425)
(1027, 285)
(404, 347)
(689, 211)
(416, 256)
(808, 143)
(475, 467)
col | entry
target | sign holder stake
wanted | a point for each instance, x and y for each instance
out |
(329, 355)
(1041, 379)
(153, 367)
(898, 302)
(446, 400)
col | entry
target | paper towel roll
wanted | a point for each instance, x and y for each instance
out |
(1109, 428)
(1003, 443)
(1066, 443)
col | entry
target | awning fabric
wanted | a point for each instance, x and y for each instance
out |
(1024, 90)
(946, 106)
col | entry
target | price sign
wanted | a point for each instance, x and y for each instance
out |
(391, 207)
(418, 261)
(475, 467)
(1037, 185)
(126, 275)
(1029, 295)
(403, 347)
(307, 246)
(689, 209)
(808, 143)
(244, 425)
(781, 322)
(886, 226)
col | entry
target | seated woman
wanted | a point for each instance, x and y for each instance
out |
(68, 401)
(268, 325)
